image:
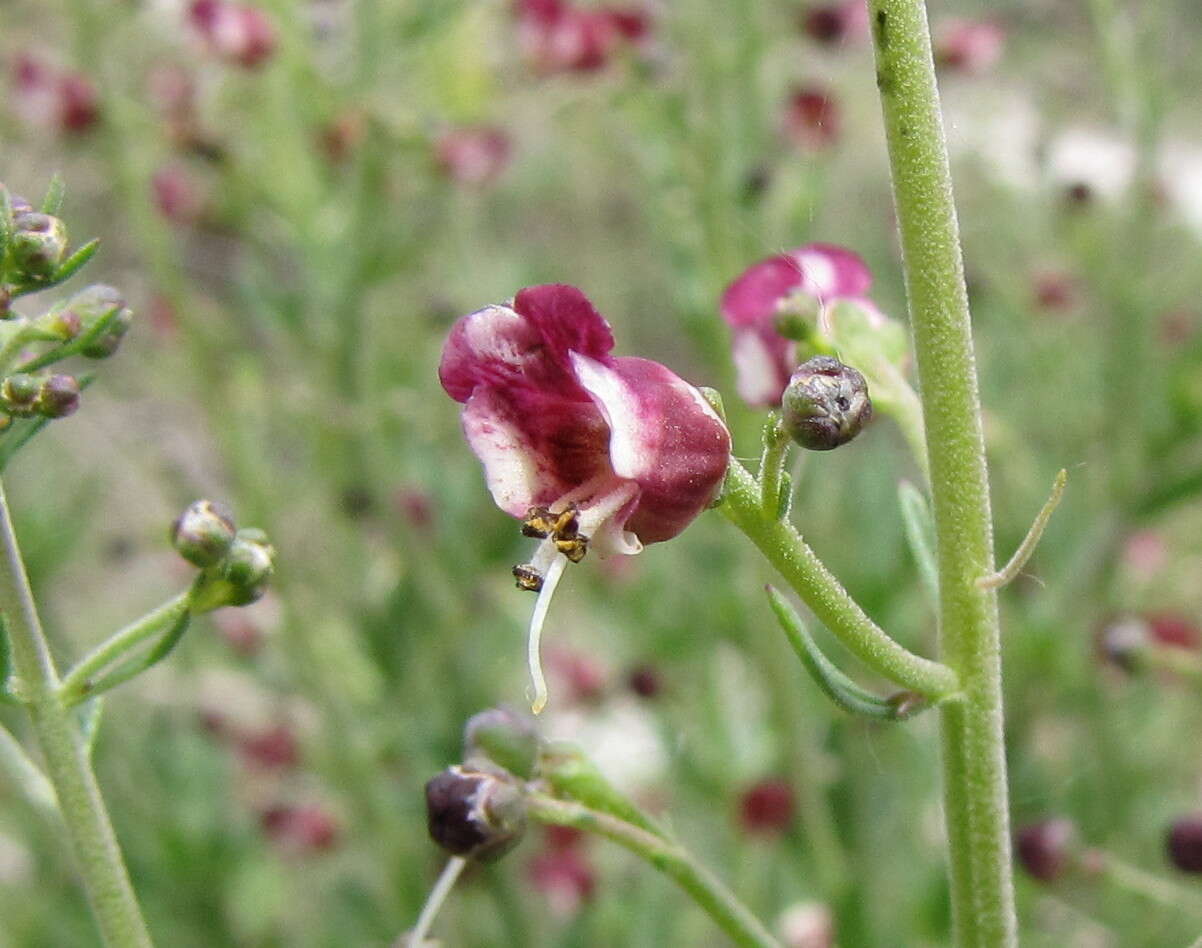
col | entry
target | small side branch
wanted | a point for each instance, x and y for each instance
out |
(1008, 572)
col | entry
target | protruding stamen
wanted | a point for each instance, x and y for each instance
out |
(442, 888)
(528, 577)
(550, 581)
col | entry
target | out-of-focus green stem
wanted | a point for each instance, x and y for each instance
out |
(706, 890)
(25, 773)
(834, 607)
(114, 904)
(974, 764)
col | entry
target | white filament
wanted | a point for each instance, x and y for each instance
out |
(438, 895)
(550, 581)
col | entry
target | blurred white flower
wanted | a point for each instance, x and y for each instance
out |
(806, 925)
(1097, 159)
(620, 736)
(1001, 132)
(1180, 170)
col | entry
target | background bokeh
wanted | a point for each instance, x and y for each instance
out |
(299, 211)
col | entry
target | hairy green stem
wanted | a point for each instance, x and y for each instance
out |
(834, 607)
(974, 764)
(114, 904)
(772, 463)
(706, 890)
(76, 683)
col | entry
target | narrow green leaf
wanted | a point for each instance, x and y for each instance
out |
(56, 191)
(844, 692)
(920, 534)
(131, 669)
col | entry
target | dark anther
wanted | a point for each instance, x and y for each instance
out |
(528, 577)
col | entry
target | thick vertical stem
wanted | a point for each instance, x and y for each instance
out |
(974, 766)
(101, 866)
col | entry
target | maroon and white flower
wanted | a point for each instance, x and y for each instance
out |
(833, 24)
(238, 33)
(818, 273)
(559, 36)
(473, 155)
(593, 451)
(59, 99)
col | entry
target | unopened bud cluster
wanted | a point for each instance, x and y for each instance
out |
(34, 256)
(478, 809)
(236, 564)
(51, 396)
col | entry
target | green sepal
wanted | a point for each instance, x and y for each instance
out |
(56, 192)
(571, 774)
(844, 692)
(785, 501)
(920, 535)
(131, 669)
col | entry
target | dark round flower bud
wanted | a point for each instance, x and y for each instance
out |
(826, 404)
(85, 309)
(474, 814)
(58, 396)
(38, 244)
(1045, 849)
(19, 393)
(203, 533)
(1184, 843)
(1123, 641)
(504, 737)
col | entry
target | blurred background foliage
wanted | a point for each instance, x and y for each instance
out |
(298, 236)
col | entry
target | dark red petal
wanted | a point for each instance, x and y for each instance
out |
(752, 298)
(664, 436)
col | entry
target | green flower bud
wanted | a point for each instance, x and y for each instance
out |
(38, 244)
(18, 393)
(239, 577)
(826, 404)
(84, 310)
(475, 814)
(505, 738)
(203, 533)
(58, 396)
(797, 316)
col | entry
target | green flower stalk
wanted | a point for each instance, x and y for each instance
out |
(974, 764)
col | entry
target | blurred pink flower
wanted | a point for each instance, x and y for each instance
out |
(301, 829)
(764, 359)
(558, 36)
(473, 155)
(565, 877)
(237, 33)
(811, 118)
(272, 748)
(968, 46)
(49, 97)
(176, 194)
